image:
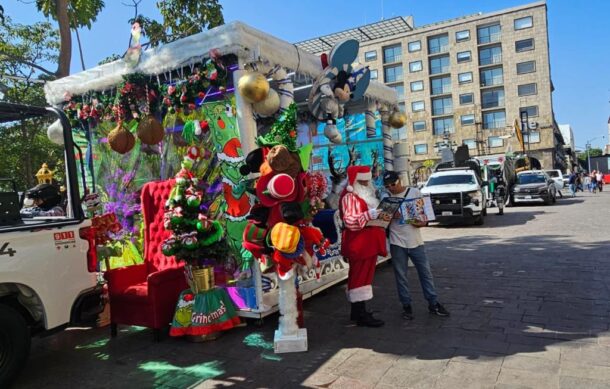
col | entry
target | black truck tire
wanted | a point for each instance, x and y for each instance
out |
(14, 344)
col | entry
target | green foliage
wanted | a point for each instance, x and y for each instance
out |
(25, 146)
(82, 13)
(593, 152)
(181, 18)
(110, 58)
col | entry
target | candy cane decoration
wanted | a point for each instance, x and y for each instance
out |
(388, 161)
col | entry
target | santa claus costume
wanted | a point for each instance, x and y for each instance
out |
(361, 245)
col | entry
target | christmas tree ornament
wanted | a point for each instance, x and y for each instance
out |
(120, 139)
(55, 133)
(269, 106)
(150, 131)
(398, 119)
(253, 86)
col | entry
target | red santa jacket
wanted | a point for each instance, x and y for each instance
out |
(358, 241)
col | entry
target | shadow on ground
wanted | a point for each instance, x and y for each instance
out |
(522, 295)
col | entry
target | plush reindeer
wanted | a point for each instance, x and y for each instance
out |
(338, 177)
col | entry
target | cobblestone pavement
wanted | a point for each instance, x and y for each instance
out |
(528, 295)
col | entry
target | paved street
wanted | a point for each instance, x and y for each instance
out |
(528, 293)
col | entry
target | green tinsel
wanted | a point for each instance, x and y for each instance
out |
(283, 131)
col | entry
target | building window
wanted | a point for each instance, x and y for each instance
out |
(419, 125)
(417, 106)
(467, 120)
(464, 78)
(495, 141)
(466, 98)
(400, 91)
(526, 67)
(495, 119)
(442, 106)
(440, 85)
(490, 77)
(438, 44)
(524, 45)
(415, 66)
(392, 54)
(490, 55)
(492, 98)
(374, 74)
(532, 137)
(527, 89)
(439, 65)
(531, 111)
(421, 148)
(443, 125)
(470, 143)
(488, 34)
(462, 36)
(399, 133)
(414, 46)
(464, 56)
(370, 56)
(392, 74)
(526, 22)
(416, 86)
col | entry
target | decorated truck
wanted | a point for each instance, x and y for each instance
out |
(47, 263)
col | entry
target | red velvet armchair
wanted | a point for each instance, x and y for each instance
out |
(146, 294)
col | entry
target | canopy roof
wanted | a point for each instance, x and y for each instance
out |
(247, 43)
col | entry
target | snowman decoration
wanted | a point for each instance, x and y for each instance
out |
(339, 83)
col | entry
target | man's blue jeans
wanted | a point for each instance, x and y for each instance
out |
(573, 189)
(400, 261)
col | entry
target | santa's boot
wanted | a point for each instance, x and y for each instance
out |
(366, 319)
(357, 309)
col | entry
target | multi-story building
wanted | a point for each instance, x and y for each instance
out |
(569, 147)
(465, 81)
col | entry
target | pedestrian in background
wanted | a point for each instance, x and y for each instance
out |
(572, 183)
(599, 177)
(406, 242)
(593, 182)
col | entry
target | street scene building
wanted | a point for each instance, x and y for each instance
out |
(466, 81)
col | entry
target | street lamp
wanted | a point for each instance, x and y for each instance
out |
(588, 146)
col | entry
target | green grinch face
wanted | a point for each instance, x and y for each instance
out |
(231, 172)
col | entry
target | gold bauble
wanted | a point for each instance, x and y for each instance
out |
(254, 87)
(269, 105)
(150, 131)
(398, 119)
(121, 140)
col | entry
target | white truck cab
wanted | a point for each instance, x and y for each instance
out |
(457, 193)
(47, 264)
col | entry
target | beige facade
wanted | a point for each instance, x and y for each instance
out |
(473, 75)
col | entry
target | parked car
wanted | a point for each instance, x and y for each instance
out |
(534, 186)
(556, 176)
(457, 193)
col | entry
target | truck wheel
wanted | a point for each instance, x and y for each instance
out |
(479, 220)
(14, 344)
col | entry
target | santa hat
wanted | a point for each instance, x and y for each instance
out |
(357, 173)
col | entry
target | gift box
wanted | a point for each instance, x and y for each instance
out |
(243, 298)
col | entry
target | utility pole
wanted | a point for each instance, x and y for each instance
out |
(588, 145)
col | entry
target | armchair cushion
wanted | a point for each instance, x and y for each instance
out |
(123, 277)
(167, 275)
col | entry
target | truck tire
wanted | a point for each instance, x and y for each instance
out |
(14, 344)
(479, 220)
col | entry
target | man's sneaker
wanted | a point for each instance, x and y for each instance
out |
(438, 310)
(407, 312)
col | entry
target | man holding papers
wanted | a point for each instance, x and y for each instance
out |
(361, 243)
(406, 242)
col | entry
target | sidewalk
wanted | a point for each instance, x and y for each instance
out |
(528, 295)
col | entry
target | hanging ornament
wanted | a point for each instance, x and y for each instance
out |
(254, 87)
(55, 132)
(269, 105)
(398, 119)
(120, 139)
(150, 131)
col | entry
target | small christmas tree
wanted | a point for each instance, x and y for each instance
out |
(196, 238)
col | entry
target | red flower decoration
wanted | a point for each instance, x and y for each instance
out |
(188, 297)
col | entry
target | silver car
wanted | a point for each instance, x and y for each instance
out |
(534, 186)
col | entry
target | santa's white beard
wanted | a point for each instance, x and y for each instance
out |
(366, 193)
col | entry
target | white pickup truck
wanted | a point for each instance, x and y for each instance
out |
(456, 193)
(47, 264)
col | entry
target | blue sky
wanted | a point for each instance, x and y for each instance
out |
(579, 36)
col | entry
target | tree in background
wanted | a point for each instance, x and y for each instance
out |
(593, 152)
(180, 18)
(25, 146)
